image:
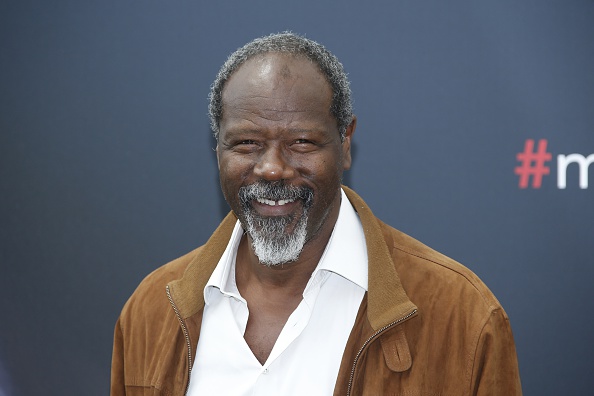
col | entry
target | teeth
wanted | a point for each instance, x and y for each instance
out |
(266, 201)
(274, 203)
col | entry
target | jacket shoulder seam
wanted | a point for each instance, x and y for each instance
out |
(487, 298)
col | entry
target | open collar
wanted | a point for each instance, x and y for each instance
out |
(387, 300)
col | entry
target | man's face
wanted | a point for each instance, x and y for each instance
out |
(279, 153)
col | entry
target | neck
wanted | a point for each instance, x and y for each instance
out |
(290, 277)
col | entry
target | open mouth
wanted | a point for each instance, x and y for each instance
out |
(275, 198)
(270, 202)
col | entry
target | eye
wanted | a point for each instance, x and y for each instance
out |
(303, 145)
(245, 146)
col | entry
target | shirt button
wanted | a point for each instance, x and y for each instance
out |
(265, 371)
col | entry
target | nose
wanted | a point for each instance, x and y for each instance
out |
(273, 165)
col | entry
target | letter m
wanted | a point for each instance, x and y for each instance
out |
(564, 160)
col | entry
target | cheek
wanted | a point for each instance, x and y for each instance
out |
(233, 165)
(233, 172)
(328, 168)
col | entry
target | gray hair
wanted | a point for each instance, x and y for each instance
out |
(290, 43)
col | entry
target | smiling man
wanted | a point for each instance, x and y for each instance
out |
(301, 290)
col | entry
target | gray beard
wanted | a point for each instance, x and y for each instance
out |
(273, 244)
(272, 241)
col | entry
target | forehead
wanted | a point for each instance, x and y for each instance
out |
(278, 77)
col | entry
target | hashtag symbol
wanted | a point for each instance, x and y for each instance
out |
(533, 163)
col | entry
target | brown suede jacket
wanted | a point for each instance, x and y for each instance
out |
(427, 326)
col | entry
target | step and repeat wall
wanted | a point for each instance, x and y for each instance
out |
(475, 135)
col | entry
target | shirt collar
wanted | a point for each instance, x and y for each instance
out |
(345, 255)
(346, 251)
(223, 276)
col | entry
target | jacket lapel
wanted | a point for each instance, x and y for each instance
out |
(387, 300)
(187, 292)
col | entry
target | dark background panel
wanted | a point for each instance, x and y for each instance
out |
(107, 169)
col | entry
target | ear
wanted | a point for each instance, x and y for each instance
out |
(346, 144)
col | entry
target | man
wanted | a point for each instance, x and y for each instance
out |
(301, 290)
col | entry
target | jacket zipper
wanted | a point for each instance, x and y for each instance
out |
(374, 335)
(185, 331)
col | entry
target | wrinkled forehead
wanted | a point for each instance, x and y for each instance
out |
(277, 76)
(277, 66)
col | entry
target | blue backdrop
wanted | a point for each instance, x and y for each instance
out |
(107, 169)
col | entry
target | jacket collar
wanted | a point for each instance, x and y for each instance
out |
(387, 300)
(188, 291)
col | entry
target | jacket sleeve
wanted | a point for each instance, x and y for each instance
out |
(117, 363)
(495, 370)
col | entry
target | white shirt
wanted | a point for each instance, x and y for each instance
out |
(306, 356)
